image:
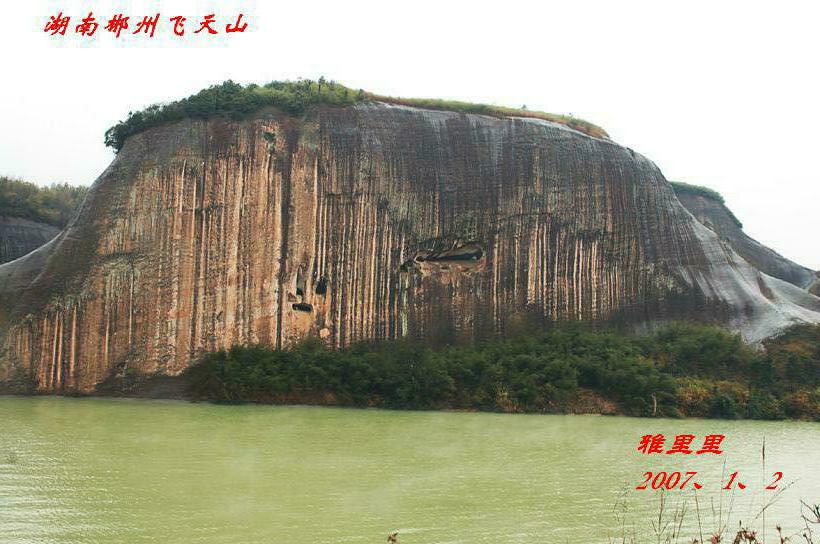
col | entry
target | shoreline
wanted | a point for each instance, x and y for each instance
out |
(189, 400)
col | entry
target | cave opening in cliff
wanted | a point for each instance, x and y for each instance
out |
(321, 286)
(467, 253)
(300, 283)
(303, 307)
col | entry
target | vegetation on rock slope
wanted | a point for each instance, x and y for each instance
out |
(497, 111)
(295, 97)
(54, 205)
(706, 192)
(687, 188)
(682, 370)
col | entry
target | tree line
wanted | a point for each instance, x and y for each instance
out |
(681, 370)
(54, 204)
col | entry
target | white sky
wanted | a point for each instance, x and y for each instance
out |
(723, 94)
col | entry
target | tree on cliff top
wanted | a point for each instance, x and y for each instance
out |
(236, 101)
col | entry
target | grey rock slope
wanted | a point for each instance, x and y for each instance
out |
(716, 216)
(19, 236)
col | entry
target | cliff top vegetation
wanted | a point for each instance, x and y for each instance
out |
(295, 97)
(54, 205)
(700, 190)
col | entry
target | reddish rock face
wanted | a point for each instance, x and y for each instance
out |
(374, 221)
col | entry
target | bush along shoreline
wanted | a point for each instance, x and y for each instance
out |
(683, 370)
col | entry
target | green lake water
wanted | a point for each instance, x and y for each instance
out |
(132, 471)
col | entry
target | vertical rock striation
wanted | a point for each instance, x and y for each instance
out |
(373, 221)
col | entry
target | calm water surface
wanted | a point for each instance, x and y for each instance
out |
(131, 471)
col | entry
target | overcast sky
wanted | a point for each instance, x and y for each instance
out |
(723, 94)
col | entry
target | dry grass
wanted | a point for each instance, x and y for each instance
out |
(667, 527)
(574, 123)
(713, 522)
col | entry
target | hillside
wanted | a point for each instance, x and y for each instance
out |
(363, 221)
(31, 215)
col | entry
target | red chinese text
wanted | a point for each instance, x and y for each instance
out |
(656, 443)
(145, 25)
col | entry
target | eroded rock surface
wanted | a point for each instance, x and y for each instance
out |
(19, 236)
(718, 218)
(814, 288)
(372, 221)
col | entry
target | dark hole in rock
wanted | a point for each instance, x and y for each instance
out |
(466, 256)
(321, 286)
(300, 282)
(270, 136)
(466, 253)
(303, 307)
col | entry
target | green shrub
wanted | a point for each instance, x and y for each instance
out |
(695, 350)
(794, 357)
(723, 407)
(763, 405)
(802, 405)
(532, 373)
(235, 101)
(54, 205)
(295, 98)
(694, 397)
(665, 374)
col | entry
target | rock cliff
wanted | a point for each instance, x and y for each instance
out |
(368, 221)
(18, 236)
(716, 216)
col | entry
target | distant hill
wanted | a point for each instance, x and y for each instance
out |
(31, 215)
